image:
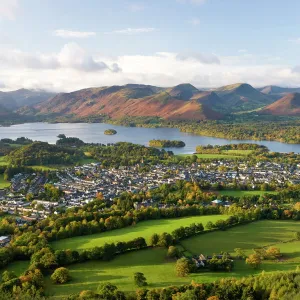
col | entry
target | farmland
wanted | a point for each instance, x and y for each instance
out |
(143, 229)
(240, 193)
(159, 271)
(3, 183)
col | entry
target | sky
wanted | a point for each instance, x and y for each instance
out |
(66, 45)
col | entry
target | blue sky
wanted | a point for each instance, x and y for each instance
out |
(70, 44)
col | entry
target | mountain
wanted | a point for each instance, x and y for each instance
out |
(23, 97)
(289, 105)
(242, 97)
(277, 92)
(130, 100)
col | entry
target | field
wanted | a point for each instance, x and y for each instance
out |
(159, 271)
(143, 229)
(3, 161)
(239, 193)
(18, 267)
(247, 237)
(3, 183)
(226, 154)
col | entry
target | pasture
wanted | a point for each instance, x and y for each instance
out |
(239, 193)
(160, 271)
(143, 229)
(3, 183)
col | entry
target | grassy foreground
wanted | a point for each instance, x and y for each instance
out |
(143, 229)
(160, 272)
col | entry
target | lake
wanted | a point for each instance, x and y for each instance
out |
(95, 133)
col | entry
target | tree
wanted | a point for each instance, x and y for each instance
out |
(297, 236)
(154, 239)
(187, 295)
(240, 253)
(254, 260)
(62, 136)
(273, 253)
(107, 290)
(8, 275)
(173, 252)
(61, 275)
(182, 267)
(140, 279)
(165, 240)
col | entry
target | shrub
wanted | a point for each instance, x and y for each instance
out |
(61, 275)
(140, 279)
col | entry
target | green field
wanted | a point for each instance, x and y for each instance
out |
(229, 154)
(3, 183)
(160, 272)
(18, 267)
(3, 161)
(238, 193)
(143, 229)
(212, 156)
(248, 237)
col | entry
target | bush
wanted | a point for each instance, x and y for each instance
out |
(182, 267)
(140, 279)
(173, 252)
(61, 275)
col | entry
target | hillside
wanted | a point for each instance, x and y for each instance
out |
(130, 100)
(278, 92)
(242, 97)
(19, 98)
(289, 105)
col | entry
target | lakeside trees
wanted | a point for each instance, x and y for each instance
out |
(166, 143)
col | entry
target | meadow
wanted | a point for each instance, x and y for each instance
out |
(143, 229)
(3, 183)
(3, 161)
(160, 271)
(225, 154)
(239, 193)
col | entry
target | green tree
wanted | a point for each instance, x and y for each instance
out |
(173, 252)
(61, 275)
(140, 279)
(254, 260)
(182, 267)
(8, 275)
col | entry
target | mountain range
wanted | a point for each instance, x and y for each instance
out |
(182, 102)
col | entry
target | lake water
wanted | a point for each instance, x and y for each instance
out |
(95, 133)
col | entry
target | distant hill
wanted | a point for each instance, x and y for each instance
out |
(289, 105)
(130, 100)
(242, 97)
(23, 97)
(278, 92)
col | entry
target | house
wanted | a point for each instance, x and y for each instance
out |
(4, 240)
(216, 202)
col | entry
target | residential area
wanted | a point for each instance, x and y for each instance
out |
(82, 184)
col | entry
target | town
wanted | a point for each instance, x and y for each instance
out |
(81, 184)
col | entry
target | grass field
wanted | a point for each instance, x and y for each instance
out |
(3, 161)
(247, 237)
(212, 156)
(238, 193)
(160, 271)
(3, 183)
(18, 267)
(143, 229)
(229, 154)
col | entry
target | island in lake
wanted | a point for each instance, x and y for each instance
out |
(166, 144)
(110, 132)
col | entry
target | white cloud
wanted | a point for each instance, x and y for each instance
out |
(197, 2)
(136, 7)
(73, 34)
(131, 31)
(71, 56)
(199, 57)
(194, 21)
(242, 51)
(73, 68)
(8, 9)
